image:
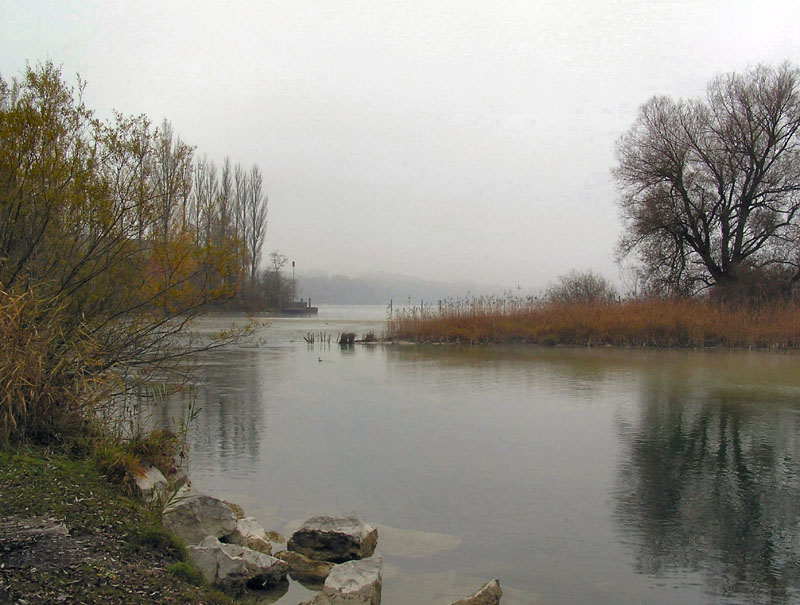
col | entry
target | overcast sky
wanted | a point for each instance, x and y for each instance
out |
(442, 139)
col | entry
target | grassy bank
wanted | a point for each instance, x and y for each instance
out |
(660, 323)
(114, 549)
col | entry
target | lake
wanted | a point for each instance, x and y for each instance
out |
(573, 475)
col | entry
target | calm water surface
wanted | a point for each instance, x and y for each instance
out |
(573, 475)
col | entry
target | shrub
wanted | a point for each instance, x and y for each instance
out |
(579, 287)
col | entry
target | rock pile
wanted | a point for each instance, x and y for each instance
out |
(233, 552)
(232, 567)
(338, 550)
(304, 569)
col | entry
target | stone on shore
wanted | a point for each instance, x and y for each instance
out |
(151, 484)
(232, 567)
(248, 532)
(194, 515)
(489, 594)
(336, 539)
(274, 536)
(302, 567)
(357, 581)
(236, 508)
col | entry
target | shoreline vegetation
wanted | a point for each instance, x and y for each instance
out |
(112, 238)
(69, 533)
(670, 323)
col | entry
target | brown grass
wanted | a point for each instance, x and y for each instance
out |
(45, 378)
(659, 323)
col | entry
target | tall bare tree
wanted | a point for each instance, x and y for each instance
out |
(255, 214)
(225, 201)
(711, 188)
(240, 205)
(172, 157)
(206, 188)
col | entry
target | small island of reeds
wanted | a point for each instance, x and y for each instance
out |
(689, 322)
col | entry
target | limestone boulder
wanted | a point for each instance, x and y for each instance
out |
(489, 594)
(177, 476)
(248, 532)
(276, 537)
(357, 581)
(334, 538)
(236, 508)
(302, 567)
(193, 515)
(232, 567)
(151, 484)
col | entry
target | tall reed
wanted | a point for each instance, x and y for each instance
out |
(47, 386)
(655, 322)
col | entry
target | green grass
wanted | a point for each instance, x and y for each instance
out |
(125, 553)
(187, 572)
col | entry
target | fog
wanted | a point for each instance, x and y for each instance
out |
(446, 140)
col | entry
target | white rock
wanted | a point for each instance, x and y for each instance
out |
(336, 539)
(301, 566)
(489, 594)
(352, 582)
(194, 515)
(232, 567)
(248, 532)
(151, 485)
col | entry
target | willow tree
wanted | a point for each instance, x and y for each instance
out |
(711, 188)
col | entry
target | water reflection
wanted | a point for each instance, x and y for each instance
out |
(708, 481)
(575, 475)
(575, 372)
(230, 423)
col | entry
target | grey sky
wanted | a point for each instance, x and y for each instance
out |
(447, 140)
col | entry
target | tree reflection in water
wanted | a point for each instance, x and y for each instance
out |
(708, 482)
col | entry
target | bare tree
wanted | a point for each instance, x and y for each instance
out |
(581, 287)
(225, 200)
(240, 219)
(206, 187)
(711, 189)
(172, 157)
(277, 289)
(255, 212)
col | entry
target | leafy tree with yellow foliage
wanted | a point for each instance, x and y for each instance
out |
(101, 266)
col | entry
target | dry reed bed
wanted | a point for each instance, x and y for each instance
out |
(45, 376)
(660, 323)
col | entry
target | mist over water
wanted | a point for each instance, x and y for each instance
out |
(573, 475)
